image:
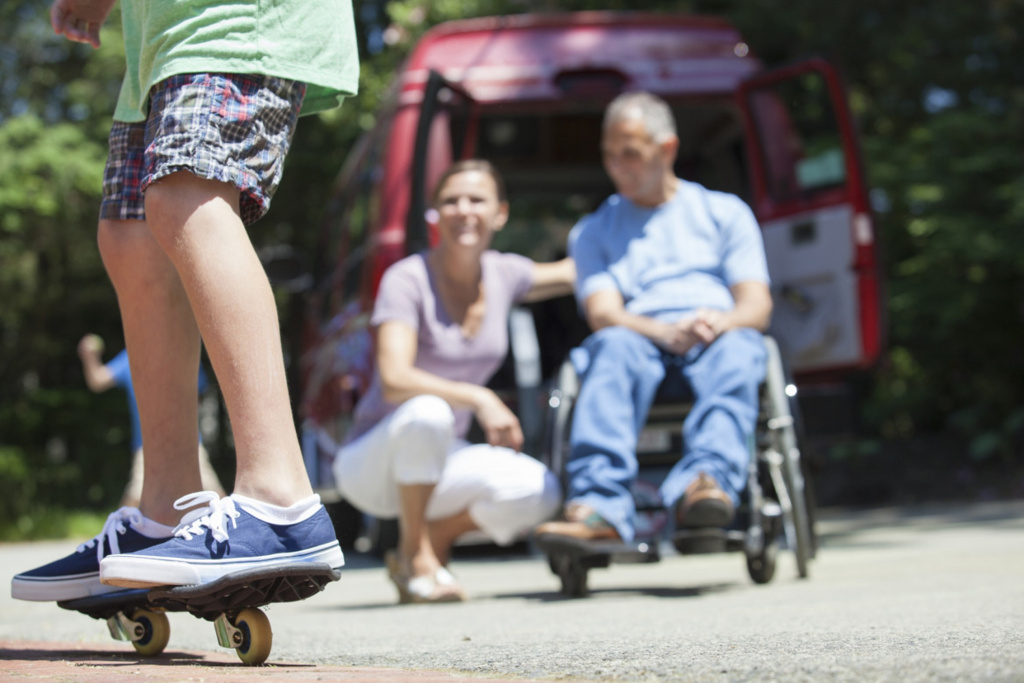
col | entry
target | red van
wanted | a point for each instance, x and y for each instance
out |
(528, 92)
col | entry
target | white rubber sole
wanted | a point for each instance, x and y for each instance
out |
(137, 570)
(58, 589)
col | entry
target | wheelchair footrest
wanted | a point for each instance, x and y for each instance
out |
(705, 541)
(597, 554)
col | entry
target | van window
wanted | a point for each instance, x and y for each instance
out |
(799, 135)
(712, 146)
(551, 163)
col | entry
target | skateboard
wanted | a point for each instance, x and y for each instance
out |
(231, 602)
(130, 616)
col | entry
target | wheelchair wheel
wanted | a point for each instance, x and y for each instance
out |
(784, 462)
(761, 567)
(807, 472)
(572, 573)
(560, 408)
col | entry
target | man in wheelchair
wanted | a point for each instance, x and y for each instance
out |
(672, 279)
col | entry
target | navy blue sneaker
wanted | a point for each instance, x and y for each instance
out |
(78, 574)
(229, 535)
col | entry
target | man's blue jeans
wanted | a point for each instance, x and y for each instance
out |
(621, 371)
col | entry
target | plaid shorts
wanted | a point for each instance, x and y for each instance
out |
(226, 127)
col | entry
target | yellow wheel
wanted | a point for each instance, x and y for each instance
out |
(155, 632)
(257, 637)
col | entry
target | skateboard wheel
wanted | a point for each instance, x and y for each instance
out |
(156, 631)
(254, 636)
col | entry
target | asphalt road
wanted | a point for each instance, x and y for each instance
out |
(923, 594)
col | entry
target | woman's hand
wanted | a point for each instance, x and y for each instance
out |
(501, 426)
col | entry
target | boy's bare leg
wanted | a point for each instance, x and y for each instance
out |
(196, 222)
(163, 350)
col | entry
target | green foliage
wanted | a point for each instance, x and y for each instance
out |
(936, 86)
(60, 446)
(943, 140)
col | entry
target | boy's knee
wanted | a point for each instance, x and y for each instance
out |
(131, 256)
(117, 240)
(162, 200)
(173, 199)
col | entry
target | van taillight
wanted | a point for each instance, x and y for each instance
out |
(863, 240)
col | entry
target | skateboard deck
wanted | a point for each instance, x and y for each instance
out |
(231, 602)
(599, 553)
(252, 588)
(109, 604)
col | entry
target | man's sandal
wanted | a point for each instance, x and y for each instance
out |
(582, 523)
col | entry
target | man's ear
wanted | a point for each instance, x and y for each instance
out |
(669, 150)
(502, 218)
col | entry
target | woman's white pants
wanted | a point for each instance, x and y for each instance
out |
(506, 493)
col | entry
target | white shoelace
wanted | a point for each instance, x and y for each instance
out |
(112, 528)
(215, 516)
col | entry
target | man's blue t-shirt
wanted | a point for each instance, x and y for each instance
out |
(669, 260)
(122, 373)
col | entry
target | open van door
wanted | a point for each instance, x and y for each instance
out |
(446, 132)
(447, 119)
(810, 197)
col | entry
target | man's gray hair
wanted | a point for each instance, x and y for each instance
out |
(651, 109)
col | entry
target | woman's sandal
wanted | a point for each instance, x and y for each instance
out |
(441, 587)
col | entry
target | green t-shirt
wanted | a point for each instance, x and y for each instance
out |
(312, 41)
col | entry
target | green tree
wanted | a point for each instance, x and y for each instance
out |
(937, 87)
(53, 120)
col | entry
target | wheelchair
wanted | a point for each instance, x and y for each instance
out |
(776, 506)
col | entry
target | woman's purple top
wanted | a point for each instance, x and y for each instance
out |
(408, 293)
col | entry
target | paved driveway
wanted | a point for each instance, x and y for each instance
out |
(920, 594)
